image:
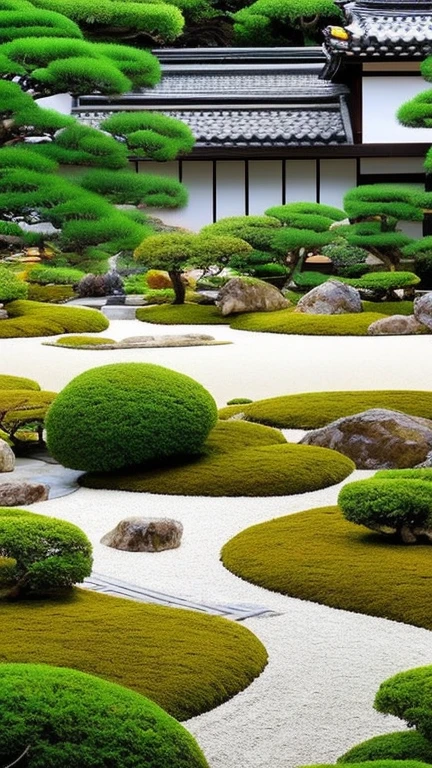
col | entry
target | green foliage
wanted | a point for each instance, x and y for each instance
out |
(128, 414)
(389, 506)
(408, 695)
(289, 322)
(344, 255)
(417, 112)
(33, 23)
(316, 216)
(68, 716)
(19, 407)
(237, 461)
(341, 565)
(239, 401)
(422, 245)
(370, 234)
(137, 189)
(289, 239)
(54, 275)
(383, 200)
(50, 554)
(382, 281)
(31, 318)
(11, 287)
(81, 145)
(51, 294)
(309, 279)
(402, 745)
(313, 410)
(150, 134)
(83, 341)
(206, 659)
(182, 314)
(17, 382)
(293, 22)
(82, 74)
(255, 230)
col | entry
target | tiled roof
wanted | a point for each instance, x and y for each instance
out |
(241, 104)
(385, 30)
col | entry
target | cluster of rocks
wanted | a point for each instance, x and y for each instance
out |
(16, 493)
(3, 314)
(138, 342)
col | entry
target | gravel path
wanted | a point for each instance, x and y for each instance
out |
(314, 699)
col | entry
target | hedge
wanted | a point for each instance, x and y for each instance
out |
(127, 414)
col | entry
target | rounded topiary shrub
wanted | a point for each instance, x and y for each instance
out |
(402, 507)
(49, 554)
(11, 287)
(73, 719)
(402, 745)
(126, 415)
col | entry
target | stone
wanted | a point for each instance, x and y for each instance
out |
(135, 301)
(395, 325)
(3, 314)
(374, 261)
(423, 310)
(182, 340)
(119, 312)
(330, 298)
(7, 457)
(144, 534)
(249, 295)
(15, 494)
(377, 439)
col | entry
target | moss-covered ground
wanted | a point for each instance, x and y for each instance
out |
(185, 661)
(312, 410)
(83, 341)
(182, 314)
(237, 461)
(33, 318)
(317, 555)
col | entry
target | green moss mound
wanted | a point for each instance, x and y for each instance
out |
(317, 555)
(70, 718)
(380, 764)
(237, 462)
(33, 318)
(83, 341)
(389, 307)
(185, 661)
(51, 294)
(127, 414)
(17, 382)
(182, 314)
(312, 410)
(402, 745)
(287, 321)
(408, 695)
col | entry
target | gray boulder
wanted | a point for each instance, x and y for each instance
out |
(17, 493)
(246, 294)
(330, 298)
(396, 325)
(377, 439)
(3, 314)
(144, 534)
(7, 457)
(423, 310)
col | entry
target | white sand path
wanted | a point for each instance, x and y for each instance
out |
(314, 699)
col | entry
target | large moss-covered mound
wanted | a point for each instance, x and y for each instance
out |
(33, 318)
(185, 661)
(182, 314)
(289, 322)
(312, 410)
(127, 414)
(68, 718)
(237, 462)
(317, 555)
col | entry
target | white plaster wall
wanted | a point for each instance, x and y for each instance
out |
(382, 97)
(336, 178)
(62, 102)
(300, 181)
(230, 195)
(265, 185)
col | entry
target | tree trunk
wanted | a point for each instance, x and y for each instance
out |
(179, 287)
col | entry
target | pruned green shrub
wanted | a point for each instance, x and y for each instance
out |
(17, 382)
(402, 745)
(255, 230)
(308, 280)
(151, 134)
(400, 507)
(316, 216)
(50, 294)
(127, 414)
(275, 23)
(50, 554)
(72, 718)
(11, 287)
(346, 257)
(54, 275)
(383, 281)
(137, 189)
(408, 695)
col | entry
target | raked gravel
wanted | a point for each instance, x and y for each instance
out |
(314, 699)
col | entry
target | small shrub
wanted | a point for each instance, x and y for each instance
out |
(407, 695)
(127, 414)
(72, 718)
(50, 554)
(391, 506)
(11, 287)
(100, 285)
(343, 254)
(55, 275)
(402, 745)
(50, 294)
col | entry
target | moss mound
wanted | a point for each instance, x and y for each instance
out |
(182, 314)
(316, 409)
(83, 341)
(126, 414)
(402, 745)
(70, 718)
(51, 294)
(184, 661)
(389, 307)
(33, 318)
(317, 555)
(237, 462)
(287, 321)
(17, 382)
